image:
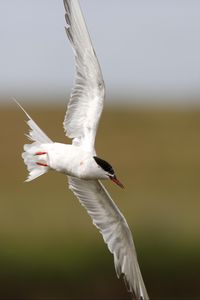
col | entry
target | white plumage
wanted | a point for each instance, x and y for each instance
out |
(79, 161)
(87, 98)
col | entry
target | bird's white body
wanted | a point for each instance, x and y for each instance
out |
(68, 159)
(78, 160)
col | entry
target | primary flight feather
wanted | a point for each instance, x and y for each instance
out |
(79, 160)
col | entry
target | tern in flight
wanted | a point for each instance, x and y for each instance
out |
(79, 160)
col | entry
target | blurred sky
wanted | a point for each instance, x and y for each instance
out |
(145, 47)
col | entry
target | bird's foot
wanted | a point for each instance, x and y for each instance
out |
(41, 164)
(40, 153)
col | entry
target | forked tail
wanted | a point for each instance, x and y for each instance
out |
(34, 155)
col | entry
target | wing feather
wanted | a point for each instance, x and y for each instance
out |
(87, 97)
(114, 229)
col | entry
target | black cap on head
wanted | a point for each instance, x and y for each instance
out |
(104, 165)
(108, 168)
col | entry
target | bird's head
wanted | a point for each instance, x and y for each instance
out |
(108, 169)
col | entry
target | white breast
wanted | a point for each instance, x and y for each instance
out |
(74, 161)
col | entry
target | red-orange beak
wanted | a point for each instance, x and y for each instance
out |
(115, 180)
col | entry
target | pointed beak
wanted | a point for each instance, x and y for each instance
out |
(115, 180)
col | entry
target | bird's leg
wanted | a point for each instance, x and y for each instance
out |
(39, 163)
(40, 153)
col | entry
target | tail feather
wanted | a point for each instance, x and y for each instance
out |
(35, 133)
(39, 139)
(31, 160)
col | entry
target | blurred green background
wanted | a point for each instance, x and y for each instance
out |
(49, 247)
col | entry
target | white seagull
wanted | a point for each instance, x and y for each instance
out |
(79, 160)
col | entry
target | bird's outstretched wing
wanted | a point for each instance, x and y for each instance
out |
(114, 229)
(87, 97)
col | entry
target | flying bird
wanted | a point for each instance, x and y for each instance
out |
(79, 161)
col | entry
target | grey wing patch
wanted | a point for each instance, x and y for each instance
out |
(114, 229)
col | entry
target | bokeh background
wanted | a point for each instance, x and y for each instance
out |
(149, 131)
